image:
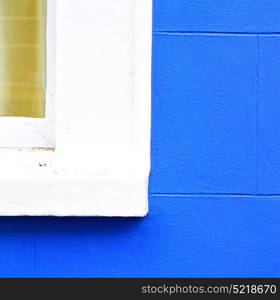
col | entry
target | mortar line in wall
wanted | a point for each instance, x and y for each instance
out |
(213, 33)
(212, 195)
(257, 112)
(34, 254)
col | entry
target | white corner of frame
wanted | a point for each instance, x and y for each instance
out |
(101, 162)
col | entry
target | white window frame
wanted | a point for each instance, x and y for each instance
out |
(101, 161)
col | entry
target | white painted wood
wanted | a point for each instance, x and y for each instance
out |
(19, 132)
(101, 162)
(46, 195)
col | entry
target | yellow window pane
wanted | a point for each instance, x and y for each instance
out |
(22, 57)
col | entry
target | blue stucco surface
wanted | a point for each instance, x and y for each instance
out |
(217, 15)
(183, 236)
(215, 180)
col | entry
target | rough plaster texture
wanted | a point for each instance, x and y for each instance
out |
(214, 188)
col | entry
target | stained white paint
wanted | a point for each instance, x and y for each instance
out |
(101, 161)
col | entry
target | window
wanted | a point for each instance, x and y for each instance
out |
(23, 45)
(27, 78)
(89, 154)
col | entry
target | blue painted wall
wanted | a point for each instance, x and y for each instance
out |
(215, 180)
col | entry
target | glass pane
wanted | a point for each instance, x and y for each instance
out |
(22, 57)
